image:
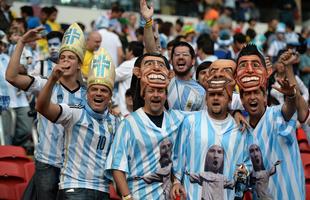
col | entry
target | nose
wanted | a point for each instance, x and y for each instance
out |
(249, 68)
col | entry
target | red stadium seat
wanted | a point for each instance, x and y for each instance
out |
(7, 192)
(11, 173)
(113, 194)
(19, 189)
(301, 135)
(29, 170)
(14, 154)
(307, 191)
(305, 157)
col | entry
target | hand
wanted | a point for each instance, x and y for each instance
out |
(289, 57)
(241, 121)
(32, 35)
(177, 190)
(145, 10)
(268, 62)
(58, 71)
(286, 88)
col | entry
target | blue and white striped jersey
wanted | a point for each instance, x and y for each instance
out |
(276, 140)
(50, 146)
(186, 95)
(45, 67)
(88, 138)
(143, 151)
(17, 98)
(207, 152)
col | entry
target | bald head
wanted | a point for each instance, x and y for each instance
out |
(93, 41)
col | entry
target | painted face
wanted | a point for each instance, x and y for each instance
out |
(251, 74)
(153, 73)
(182, 61)
(256, 156)
(98, 97)
(221, 75)
(73, 61)
(254, 103)
(215, 158)
(53, 47)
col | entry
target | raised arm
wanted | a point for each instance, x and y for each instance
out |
(44, 105)
(148, 36)
(121, 183)
(12, 74)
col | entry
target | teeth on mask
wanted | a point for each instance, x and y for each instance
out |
(218, 82)
(156, 76)
(248, 79)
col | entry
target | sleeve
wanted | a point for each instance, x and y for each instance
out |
(36, 69)
(236, 103)
(123, 72)
(303, 89)
(118, 155)
(36, 85)
(65, 116)
(179, 151)
(285, 129)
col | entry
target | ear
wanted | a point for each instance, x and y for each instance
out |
(269, 71)
(171, 74)
(137, 71)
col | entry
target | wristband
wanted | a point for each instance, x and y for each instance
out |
(149, 23)
(127, 197)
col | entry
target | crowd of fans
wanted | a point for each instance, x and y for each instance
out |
(122, 35)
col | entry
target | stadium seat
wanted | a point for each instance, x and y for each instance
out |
(307, 191)
(7, 192)
(305, 157)
(11, 173)
(113, 194)
(302, 141)
(19, 189)
(14, 154)
(29, 170)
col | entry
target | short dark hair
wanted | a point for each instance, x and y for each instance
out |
(27, 9)
(251, 49)
(136, 48)
(183, 44)
(205, 43)
(240, 38)
(54, 34)
(202, 66)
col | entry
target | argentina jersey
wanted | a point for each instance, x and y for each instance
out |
(88, 138)
(16, 98)
(275, 156)
(186, 95)
(143, 152)
(50, 145)
(207, 153)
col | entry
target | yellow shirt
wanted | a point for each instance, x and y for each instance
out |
(86, 63)
(54, 25)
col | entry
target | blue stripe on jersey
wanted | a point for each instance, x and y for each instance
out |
(186, 95)
(277, 141)
(197, 134)
(135, 150)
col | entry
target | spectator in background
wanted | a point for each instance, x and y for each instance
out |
(179, 23)
(205, 49)
(139, 34)
(114, 24)
(304, 65)
(27, 13)
(131, 28)
(6, 15)
(278, 44)
(44, 13)
(271, 30)
(237, 45)
(287, 9)
(52, 19)
(202, 71)
(92, 44)
(123, 73)
(224, 41)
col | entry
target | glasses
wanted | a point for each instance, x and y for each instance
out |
(185, 54)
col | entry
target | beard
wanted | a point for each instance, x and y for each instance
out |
(182, 73)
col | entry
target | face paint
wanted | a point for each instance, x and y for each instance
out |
(53, 47)
(221, 76)
(251, 74)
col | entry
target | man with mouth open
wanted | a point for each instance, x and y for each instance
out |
(272, 129)
(137, 150)
(88, 128)
(49, 150)
(184, 93)
(204, 129)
